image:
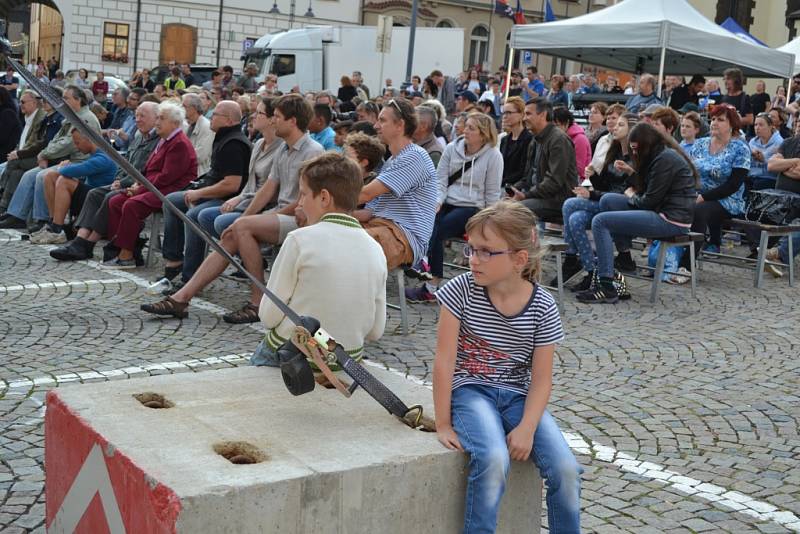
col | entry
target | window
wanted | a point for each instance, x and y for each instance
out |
(479, 45)
(115, 42)
(282, 64)
(444, 23)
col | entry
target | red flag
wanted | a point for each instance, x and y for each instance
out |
(519, 16)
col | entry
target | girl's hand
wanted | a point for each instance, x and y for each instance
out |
(621, 166)
(630, 192)
(447, 437)
(520, 443)
(581, 192)
(700, 199)
(589, 171)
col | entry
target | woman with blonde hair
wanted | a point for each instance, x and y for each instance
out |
(470, 173)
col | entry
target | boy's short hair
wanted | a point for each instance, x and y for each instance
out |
(338, 174)
(366, 147)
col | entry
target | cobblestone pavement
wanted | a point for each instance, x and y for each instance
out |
(684, 413)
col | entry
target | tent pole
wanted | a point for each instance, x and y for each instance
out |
(659, 88)
(508, 73)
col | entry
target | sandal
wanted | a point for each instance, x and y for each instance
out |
(247, 314)
(168, 306)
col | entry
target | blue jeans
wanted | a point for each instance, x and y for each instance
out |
(180, 241)
(450, 222)
(264, 355)
(578, 214)
(482, 417)
(29, 196)
(215, 222)
(620, 220)
(783, 247)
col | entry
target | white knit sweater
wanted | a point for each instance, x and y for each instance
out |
(332, 271)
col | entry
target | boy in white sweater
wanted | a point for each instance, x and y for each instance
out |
(331, 269)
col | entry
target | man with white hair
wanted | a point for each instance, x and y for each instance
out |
(171, 167)
(200, 134)
(93, 218)
(230, 158)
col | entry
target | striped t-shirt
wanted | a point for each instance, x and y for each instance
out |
(412, 198)
(494, 349)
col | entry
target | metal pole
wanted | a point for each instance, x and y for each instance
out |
(411, 39)
(508, 72)
(136, 38)
(661, 70)
(489, 44)
(219, 33)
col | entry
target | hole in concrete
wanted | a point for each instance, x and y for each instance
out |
(240, 452)
(153, 400)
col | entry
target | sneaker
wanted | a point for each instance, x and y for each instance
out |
(117, 263)
(46, 237)
(604, 293)
(624, 262)
(76, 250)
(774, 270)
(158, 287)
(12, 223)
(708, 247)
(571, 267)
(586, 283)
(419, 294)
(681, 277)
(174, 288)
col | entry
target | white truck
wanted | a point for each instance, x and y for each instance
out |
(315, 58)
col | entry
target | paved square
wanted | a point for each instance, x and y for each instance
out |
(684, 413)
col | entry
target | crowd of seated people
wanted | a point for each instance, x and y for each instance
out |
(432, 153)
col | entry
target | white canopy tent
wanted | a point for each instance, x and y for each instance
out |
(652, 36)
(793, 47)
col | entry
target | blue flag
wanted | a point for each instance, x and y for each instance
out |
(548, 12)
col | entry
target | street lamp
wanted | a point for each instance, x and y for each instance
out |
(309, 13)
(275, 10)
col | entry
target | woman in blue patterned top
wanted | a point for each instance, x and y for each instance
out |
(493, 371)
(723, 161)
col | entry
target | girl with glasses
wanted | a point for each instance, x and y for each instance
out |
(492, 376)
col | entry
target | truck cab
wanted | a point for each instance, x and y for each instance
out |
(294, 56)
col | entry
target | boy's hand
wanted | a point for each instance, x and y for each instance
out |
(447, 437)
(520, 443)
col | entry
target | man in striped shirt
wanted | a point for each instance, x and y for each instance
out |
(401, 201)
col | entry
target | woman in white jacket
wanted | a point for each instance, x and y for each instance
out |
(469, 173)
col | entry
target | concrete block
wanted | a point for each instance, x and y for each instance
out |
(328, 464)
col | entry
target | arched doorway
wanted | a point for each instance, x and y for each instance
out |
(36, 29)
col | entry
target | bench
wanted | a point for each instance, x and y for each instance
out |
(766, 231)
(684, 240)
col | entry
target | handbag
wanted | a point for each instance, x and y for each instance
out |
(773, 206)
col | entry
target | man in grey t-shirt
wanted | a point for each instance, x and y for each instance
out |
(246, 235)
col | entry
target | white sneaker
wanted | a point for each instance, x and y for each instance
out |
(682, 277)
(157, 288)
(49, 238)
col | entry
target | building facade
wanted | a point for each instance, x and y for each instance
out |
(46, 31)
(102, 34)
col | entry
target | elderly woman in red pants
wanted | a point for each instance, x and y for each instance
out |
(172, 165)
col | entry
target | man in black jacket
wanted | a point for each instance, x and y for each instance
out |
(230, 157)
(553, 173)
